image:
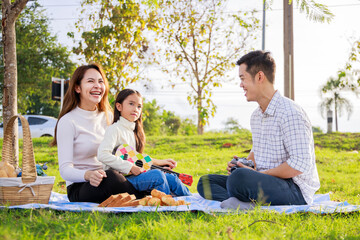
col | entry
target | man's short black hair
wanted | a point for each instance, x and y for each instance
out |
(259, 61)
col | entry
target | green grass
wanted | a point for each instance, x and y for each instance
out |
(339, 170)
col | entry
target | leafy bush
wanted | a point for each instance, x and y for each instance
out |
(338, 141)
(162, 122)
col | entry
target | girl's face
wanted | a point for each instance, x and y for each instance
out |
(91, 89)
(131, 107)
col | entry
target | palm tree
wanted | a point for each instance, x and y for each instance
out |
(335, 100)
(314, 11)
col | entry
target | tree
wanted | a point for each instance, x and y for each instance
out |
(158, 121)
(172, 122)
(314, 11)
(10, 12)
(232, 125)
(198, 44)
(38, 61)
(352, 68)
(151, 118)
(335, 100)
(115, 38)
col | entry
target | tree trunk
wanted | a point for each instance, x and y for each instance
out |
(336, 118)
(10, 12)
(200, 125)
(288, 51)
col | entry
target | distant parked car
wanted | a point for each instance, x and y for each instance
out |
(40, 126)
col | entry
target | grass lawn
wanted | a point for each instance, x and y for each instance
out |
(338, 164)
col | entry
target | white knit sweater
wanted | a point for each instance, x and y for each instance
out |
(79, 134)
(120, 132)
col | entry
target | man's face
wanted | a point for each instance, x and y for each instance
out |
(248, 83)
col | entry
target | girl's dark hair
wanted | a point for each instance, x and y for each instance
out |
(139, 130)
(72, 98)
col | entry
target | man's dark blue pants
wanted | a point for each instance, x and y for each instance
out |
(248, 185)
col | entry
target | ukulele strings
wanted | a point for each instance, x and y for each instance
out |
(158, 167)
(164, 169)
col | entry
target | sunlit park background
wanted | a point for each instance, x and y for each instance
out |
(320, 51)
(161, 48)
(68, 34)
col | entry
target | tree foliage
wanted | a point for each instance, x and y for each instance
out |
(198, 44)
(39, 57)
(158, 121)
(352, 68)
(314, 11)
(113, 35)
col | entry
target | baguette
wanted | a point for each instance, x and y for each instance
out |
(119, 202)
(112, 198)
(131, 203)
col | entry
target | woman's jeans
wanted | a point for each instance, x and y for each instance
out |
(156, 179)
(248, 185)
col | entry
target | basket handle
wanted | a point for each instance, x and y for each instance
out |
(28, 165)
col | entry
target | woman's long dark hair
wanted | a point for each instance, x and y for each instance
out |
(139, 129)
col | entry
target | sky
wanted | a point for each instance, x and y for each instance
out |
(320, 50)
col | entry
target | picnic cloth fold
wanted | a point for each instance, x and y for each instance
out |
(321, 205)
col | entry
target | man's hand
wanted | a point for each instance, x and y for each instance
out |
(230, 165)
(135, 170)
(94, 177)
(240, 165)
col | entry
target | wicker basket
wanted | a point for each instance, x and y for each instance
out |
(29, 188)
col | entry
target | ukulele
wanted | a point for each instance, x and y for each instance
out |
(126, 152)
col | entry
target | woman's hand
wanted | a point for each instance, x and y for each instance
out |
(95, 177)
(135, 170)
(165, 162)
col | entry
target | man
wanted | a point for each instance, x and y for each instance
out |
(283, 147)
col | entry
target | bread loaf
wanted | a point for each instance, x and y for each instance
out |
(168, 201)
(157, 193)
(118, 202)
(144, 201)
(154, 201)
(108, 200)
(8, 168)
(3, 173)
(131, 203)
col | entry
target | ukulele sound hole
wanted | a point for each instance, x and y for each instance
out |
(139, 163)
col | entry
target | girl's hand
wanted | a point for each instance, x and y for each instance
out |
(165, 162)
(95, 177)
(135, 170)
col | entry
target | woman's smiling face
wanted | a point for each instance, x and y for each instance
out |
(91, 89)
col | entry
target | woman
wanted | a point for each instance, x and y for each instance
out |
(80, 128)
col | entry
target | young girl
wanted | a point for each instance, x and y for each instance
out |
(127, 128)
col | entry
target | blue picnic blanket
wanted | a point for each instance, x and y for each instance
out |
(321, 205)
